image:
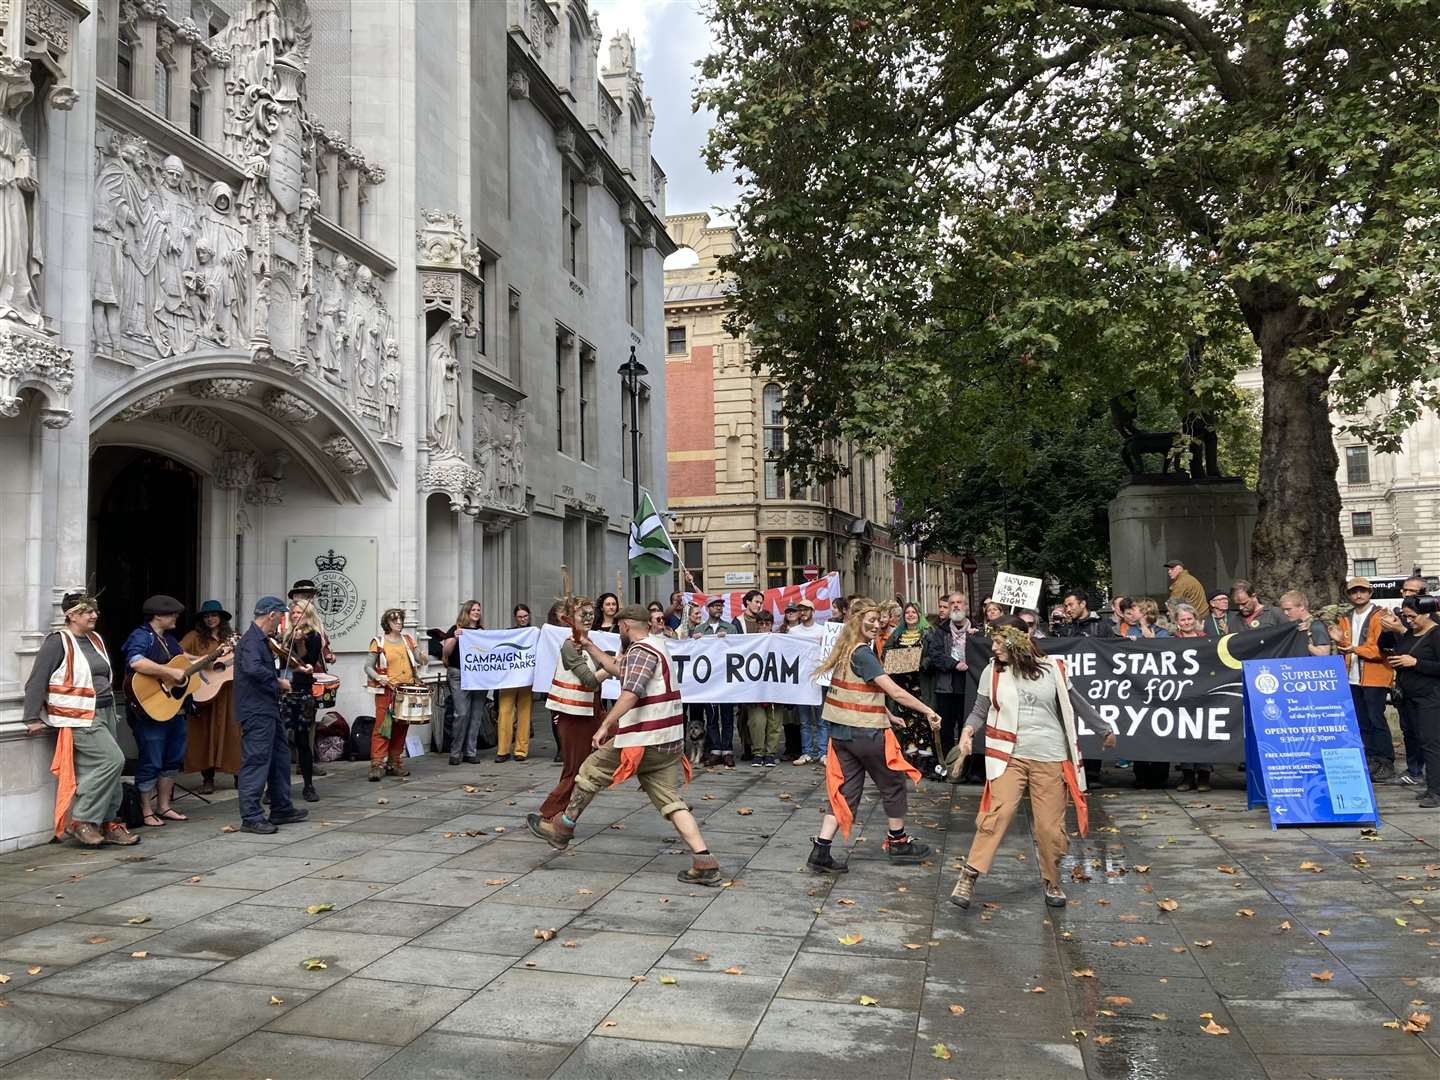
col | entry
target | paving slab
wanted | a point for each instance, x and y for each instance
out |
(119, 976)
(372, 1010)
(56, 1064)
(280, 963)
(437, 967)
(699, 1008)
(523, 1003)
(282, 1056)
(439, 1055)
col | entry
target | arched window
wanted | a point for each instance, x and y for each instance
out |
(772, 438)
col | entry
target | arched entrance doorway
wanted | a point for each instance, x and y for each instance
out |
(144, 534)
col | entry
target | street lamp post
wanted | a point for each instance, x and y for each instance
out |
(631, 372)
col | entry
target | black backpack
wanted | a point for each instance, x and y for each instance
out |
(131, 812)
(357, 746)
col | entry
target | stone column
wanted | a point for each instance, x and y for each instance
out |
(212, 109)
(143, 75)
(187, 36)
(328, 168)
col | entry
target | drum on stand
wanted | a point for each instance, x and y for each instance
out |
(325, 689)
(412, 704)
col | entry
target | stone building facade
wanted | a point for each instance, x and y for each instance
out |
(741, 522)
(336, 290)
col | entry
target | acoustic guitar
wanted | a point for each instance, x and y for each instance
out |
(161, 701)
(214, 679)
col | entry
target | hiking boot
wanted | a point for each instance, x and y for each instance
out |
(263, 827)
(308, 793)
(964, 890)
(1382, 772)
(1429, 802)
(289, 817)
(86, 833)
(905, 850)
(728, 760)
(1202, 782)
(555, 833)
(116, 833)
(454, 759)
(396, 768)
(1054, 895)
(821, 861)
(1187, 781)
(377, 770)
(704, 870)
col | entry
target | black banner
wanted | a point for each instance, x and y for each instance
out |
(1173, 699)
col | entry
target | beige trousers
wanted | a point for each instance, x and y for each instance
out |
(1046, 781)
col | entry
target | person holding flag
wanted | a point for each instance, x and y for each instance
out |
(652, 552)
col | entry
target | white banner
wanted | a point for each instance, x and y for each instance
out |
(822, 592)
(772, 668)
(498, 659)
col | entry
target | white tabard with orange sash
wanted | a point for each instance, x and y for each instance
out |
(1000, 736)
(856, 703)
(568, 696)
(69, 703)
(657, 719)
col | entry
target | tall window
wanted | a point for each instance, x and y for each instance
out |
(125, 67)
(564, 387)
(1357, 465)
(634, 284)
(644, 441)
(1362, 523)
(675, 340)
(196, 113)
(162, 88)
(1365, 568)
(483, 323)
(587, 402)
(513, 341)
(787, 557)
(772, 438)
(572, 237)
(642, 430)
(626, 461)
(860, 510)
(692, 554)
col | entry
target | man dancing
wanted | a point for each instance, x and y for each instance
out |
(648, 725)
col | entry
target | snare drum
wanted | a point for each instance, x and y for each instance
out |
(325, 688)
(412, 704)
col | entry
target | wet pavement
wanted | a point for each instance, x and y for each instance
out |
(1197, 943)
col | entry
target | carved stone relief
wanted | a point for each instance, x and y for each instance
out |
(444, 382)
(499, 454)
(285, 406)
(341, 450)
(184, 262)
(31, 360)
(223, 389)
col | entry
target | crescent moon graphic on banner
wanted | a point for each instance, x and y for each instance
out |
(1222, 650)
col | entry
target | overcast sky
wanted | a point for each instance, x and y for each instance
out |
(670, 37)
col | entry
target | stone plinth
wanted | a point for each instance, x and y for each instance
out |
(1206, 525)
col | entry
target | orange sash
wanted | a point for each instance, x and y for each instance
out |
(630, 761)
(63, 766)
(1072, 784)
(835, 778)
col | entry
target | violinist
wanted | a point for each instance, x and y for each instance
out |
(302, 651)
(265, 751)
(213, 741)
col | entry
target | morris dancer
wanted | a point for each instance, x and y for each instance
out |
(394, 661)
(574, 700)
(69, 689)
(648, 725)
(1028, 708)
(861, 741)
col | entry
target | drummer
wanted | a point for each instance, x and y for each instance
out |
(394, 661)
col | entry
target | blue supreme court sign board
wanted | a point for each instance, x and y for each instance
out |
(1303, 756)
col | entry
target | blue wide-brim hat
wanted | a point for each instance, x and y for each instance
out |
(212, 607)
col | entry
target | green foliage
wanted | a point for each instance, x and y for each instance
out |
(980, 221)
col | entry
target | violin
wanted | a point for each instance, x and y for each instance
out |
(286, 657)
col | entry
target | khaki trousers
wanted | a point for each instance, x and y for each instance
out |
(766, 729)
(1046, 781)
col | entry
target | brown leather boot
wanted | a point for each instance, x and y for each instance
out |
(554, 832)
(377, 770)
(397, 768)
(964, 890)
(116, 833)
(87, 833)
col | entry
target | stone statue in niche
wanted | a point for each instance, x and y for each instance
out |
(365, 333)
(169, 244)
(327, 332)
(390, 392)
(228, 272)
(483, 451)
(20, 258)
(517, 459)
(443, 371)
(504, 459)
(120, 203)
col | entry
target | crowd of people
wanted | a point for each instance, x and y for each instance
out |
(901, 702)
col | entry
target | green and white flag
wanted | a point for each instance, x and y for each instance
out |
(651, 551)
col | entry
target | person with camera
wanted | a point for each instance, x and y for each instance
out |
(1414, 654)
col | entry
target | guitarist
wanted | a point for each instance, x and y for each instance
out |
(160, 746)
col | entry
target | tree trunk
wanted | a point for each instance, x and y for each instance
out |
(1297, 542)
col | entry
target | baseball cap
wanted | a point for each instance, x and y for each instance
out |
(269, 605)
(715, 600)
(805, 602)
(635, 613)
(1359, 583)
